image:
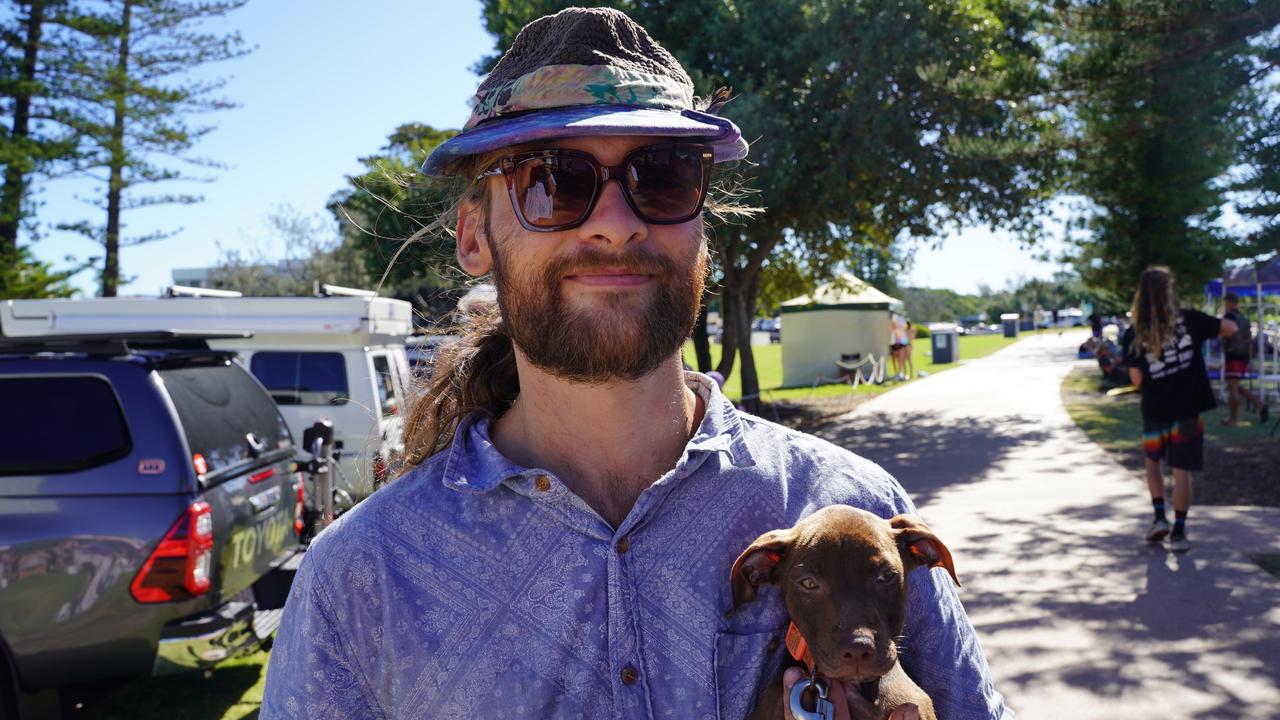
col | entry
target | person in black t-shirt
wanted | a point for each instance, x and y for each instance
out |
(1237, 353)
(1162, 352)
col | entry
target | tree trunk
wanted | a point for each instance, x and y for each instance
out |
(15, 174)
(115, 184)
(702, 343)
(748, 282)
(729, 329)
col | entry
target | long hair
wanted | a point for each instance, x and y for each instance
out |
(477, 374)
(1155, 310)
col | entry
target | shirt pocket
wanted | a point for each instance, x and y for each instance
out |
(744, 663)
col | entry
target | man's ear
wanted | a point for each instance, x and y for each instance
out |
(919, 546)
(758, 565)
(473, 241)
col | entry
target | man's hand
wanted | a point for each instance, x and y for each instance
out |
(846, 705)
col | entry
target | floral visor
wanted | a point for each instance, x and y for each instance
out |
(558, 101)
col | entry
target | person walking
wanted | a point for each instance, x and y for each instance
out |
(908, 362)
(560, 544)
(1237, 352)
(1162, 352)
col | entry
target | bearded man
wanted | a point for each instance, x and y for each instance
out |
(560, 544)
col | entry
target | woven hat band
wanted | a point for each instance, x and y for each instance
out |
(557, 86)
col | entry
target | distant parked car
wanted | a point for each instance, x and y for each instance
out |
(151, 508)
(421, 350)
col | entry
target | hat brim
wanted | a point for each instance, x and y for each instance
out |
(589, 120)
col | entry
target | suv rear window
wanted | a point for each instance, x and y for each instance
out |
(59, 424)
(219, 405)
(302, 378)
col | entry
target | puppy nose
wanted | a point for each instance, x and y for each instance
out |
(858, 647)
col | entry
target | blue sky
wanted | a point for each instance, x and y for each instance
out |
(327, 82)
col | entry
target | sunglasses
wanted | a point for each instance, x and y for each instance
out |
(556, 189)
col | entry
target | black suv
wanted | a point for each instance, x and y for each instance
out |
(150, 512)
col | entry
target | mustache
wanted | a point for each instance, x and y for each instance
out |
(587, 259)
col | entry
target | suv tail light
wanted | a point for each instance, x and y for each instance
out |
(297, 510)
(180, 567)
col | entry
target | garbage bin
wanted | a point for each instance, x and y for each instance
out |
(945, 338)
(1010, 322)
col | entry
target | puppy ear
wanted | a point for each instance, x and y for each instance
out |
(758, 564)
(919, 546)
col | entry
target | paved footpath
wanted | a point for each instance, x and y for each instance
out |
(1079, 617)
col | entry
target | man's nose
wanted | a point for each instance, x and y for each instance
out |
(612, 219)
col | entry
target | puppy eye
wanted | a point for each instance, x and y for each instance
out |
(886, 576)
(808, 583)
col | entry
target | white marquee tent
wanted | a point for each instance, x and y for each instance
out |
(840, 319)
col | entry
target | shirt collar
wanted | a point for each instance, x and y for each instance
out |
(475, 465)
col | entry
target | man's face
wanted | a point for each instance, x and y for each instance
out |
(611, 299)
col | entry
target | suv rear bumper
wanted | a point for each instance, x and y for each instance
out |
(202, 641)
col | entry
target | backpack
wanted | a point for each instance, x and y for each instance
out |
(1241, 343)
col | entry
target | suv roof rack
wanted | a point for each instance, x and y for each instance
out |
(112, 344)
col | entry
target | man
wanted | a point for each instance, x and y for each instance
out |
(1162, 352)
(1238, 350)
(1110, 364)
(561, 546)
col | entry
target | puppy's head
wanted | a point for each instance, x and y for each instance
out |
(843, 572)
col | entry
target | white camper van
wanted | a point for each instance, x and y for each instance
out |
(340, 358)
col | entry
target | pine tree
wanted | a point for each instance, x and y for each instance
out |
(136, 94)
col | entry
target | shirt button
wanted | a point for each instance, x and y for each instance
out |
(623, 545)
(629, 675)
(543, 483)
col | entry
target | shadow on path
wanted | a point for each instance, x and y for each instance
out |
(927, 453)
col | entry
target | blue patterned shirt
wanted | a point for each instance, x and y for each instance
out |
(472, 587)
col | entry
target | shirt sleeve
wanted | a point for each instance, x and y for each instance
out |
(943, 655)
(1201, 326)
(313, 672)
(1131, 358)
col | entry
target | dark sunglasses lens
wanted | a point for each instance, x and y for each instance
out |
(667, 183)
(553, 191)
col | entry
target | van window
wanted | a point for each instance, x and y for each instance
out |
(219, 405)
(385, 384)
(302, 378)
(59, 424)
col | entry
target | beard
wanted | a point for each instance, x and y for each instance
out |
(618, 336)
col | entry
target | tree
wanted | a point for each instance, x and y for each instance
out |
(23, 276)
(135, 95)
(1163, 94)
(392, 214)
(853, 120)
(314, 252)
(34, 56)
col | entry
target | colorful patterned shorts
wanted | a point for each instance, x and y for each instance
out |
(1180, 443)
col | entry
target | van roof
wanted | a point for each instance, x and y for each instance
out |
(360, 320)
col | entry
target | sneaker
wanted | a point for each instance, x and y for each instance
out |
(1159, 528)
(1179, 543)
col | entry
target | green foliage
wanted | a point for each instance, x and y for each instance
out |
(23, 276)
(400, 221)
(1164, 92)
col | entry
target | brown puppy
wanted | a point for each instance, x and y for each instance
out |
(843, 574)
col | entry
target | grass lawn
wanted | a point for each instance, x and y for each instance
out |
(768, 359)
(1239, 462)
